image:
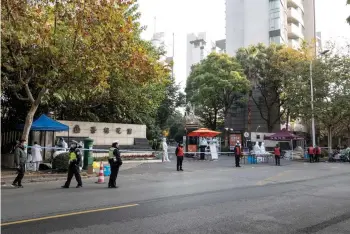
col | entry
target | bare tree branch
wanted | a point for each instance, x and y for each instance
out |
(29, 93)
(259, 108)
(19, 97)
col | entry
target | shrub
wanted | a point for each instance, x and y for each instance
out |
(61, 162)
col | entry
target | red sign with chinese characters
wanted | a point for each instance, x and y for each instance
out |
(233, 140)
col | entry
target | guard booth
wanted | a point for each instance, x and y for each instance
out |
(191, 143)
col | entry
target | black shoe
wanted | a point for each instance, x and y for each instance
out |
(64, 186)
(20, 186)
(79, 186)
(181, 169)
(178, 170)
(14, 185)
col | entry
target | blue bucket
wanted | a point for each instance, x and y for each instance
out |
(107, 170)
(252, 160)
(306, 155)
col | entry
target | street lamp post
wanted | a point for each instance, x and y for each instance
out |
(312, 102)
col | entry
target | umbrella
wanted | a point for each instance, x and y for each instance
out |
(203, 132)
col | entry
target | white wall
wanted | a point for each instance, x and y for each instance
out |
(247, 23)
(101, 138)
(267, 143)
(256, 22)
(309, 20)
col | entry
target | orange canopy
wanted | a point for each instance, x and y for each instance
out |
(203, 132)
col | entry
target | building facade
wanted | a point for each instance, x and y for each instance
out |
(197, 49)
(250, 22)
(199, 46)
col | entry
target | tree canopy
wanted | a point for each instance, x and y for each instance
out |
(214, 85)
(79, 58)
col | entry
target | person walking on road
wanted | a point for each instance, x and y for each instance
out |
(115, 162)
(277, 152)
(74, 162)
(36, 156)
(20, 162)
(179, 152)
(310, 151)
(237, 152)
(317, 153)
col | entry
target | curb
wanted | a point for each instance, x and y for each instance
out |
(39, 179)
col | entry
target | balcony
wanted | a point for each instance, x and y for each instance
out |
(295, 32)
(293, 43)
(295, 4)
(295, 16)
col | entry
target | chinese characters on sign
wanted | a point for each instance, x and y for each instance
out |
(118, 130)
(129, 131)
(233, 140)
(76, 129)
(106, 130)
(93, 129)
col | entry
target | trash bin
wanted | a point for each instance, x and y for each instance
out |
(107, 170)
(252, 159)
(88, 159)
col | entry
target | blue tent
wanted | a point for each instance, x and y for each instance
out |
(44, 123)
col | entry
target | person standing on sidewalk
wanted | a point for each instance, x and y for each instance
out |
(237, 152)
(317, 153)
(73, 168)
(277, 152)
(115, 161)
(310, 151)
(179, 152)
(20, 162)
(36, 156)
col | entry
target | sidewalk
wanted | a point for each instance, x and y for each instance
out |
(8, 175)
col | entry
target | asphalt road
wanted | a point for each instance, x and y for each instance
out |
(209, 197)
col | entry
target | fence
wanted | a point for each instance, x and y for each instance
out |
(10, 137)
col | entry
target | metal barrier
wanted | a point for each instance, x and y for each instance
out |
(100, 153)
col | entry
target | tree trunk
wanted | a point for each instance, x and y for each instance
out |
(29, 121)
(215, 120)
(330, 139)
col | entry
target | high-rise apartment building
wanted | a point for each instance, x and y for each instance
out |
(249, 22)
(199, 46)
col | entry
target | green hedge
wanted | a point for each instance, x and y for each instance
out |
(61, 162)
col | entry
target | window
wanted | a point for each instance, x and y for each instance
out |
(276, 40)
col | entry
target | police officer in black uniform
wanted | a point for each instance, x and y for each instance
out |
(74, 163)
(115, 162)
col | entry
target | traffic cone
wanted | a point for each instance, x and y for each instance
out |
(101, 176)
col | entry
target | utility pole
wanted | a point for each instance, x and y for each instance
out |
(172, 65)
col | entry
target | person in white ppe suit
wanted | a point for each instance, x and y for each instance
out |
(64, 145)
(36, 156)
(165, 151)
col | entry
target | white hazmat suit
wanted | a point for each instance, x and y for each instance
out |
(165, 151)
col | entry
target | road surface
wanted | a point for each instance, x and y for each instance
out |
(208, 197)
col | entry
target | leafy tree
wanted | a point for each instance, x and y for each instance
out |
(214, 86)
(292, 68)
(173, 99)
(77, 51)
(275, 75)
(333, 107)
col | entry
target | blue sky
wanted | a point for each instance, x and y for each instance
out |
(181, 17)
